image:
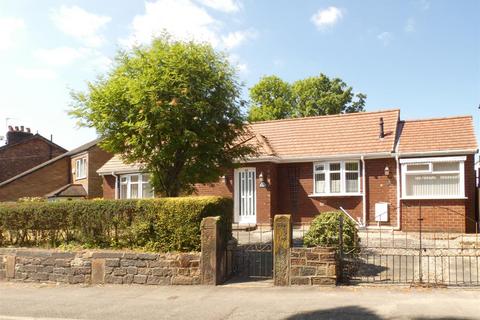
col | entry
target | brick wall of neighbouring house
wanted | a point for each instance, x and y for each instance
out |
(25, 155)
(455, 215)
(108, 187)
(39, 182)
(381, 188)
(97, 157)
(295, 184)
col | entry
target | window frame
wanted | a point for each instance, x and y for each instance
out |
(129, 183)
(430, 161)
(78, 163)
(343, 178)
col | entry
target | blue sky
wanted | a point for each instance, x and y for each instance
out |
(422, 56)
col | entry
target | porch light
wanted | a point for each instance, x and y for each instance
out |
(386, 171)
(224, 179)
(263, 180)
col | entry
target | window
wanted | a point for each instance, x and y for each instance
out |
(81, 168)
(336, 177)
(135, 186)
(433, 177)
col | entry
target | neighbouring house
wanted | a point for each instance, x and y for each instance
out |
(71, 175)
(25, 150)
(381, 170)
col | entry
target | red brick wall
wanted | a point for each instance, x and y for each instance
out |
(108, 187)
(39, 182)
(20, 157)
(381, 188)
(295, 184)
(455, 215)
(97, 157)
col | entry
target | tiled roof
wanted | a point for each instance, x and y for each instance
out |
(116, 165)
(69, 190)
(436, 135)
(353, 133)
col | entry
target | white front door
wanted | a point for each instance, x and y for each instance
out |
(245, 196)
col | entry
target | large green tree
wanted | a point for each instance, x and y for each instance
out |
(174, 107)
(272, 98)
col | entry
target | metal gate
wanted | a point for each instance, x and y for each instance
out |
(253, 257)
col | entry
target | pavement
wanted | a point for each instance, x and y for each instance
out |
(20, 301)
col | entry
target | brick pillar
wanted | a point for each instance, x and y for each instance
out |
(213, 257)
(282, 240)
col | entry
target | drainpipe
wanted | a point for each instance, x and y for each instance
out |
(364, 193)
(116, 185)
(398, 190)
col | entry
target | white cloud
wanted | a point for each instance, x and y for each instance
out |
(36, 73)
(385, 38)
(222, 5)
(327, 17)
(241, 66)
(410, 25)
(80, 24)
(59, 56)
(181, 18)
(9, 27)
(235, 39)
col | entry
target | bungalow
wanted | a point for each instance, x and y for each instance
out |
(379, 169)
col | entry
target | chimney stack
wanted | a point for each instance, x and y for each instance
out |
(382, 132)
(16, 134)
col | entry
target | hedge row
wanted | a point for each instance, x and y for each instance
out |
(165, 224)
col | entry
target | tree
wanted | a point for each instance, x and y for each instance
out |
(172, 106)
(272, 98)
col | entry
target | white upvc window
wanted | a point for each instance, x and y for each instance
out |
(81, 168)
(433, 178)
(135, 186)
(336, 178)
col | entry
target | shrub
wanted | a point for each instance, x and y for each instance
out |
(165, 224)
(324, 231)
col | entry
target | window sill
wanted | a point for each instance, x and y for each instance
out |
(434, 198)
(328, 195)
(80, 178)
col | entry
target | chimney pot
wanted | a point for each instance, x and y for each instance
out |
(28, 130)
(16, 128)
(10, 128)
(382, 132)
(22, 128)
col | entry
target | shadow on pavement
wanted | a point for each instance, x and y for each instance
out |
(348, 312)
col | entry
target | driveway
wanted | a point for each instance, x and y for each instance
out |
(29, 301)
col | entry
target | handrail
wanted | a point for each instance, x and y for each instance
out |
(348, 215)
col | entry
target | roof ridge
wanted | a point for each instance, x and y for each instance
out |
(439, 118)
(327, 116)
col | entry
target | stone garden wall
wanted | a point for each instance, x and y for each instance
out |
(97, 267)
(313, 266)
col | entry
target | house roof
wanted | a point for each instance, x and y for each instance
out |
(437, 135)
(73, 152)
(69, 190)
(32, 137)
(344, 134)
(116, 165)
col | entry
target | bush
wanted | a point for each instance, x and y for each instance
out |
(165, 224)
(324, 229)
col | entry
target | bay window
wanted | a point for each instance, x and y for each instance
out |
(336, 177)
(430, 178)
(135, 186)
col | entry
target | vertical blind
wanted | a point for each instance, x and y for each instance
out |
(433, 179)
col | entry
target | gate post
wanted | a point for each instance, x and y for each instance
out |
(282, 240)
(213, 255)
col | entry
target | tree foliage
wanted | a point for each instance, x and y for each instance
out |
(172, 106)
(272, 98)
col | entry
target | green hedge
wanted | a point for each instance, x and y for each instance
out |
(165, 224)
